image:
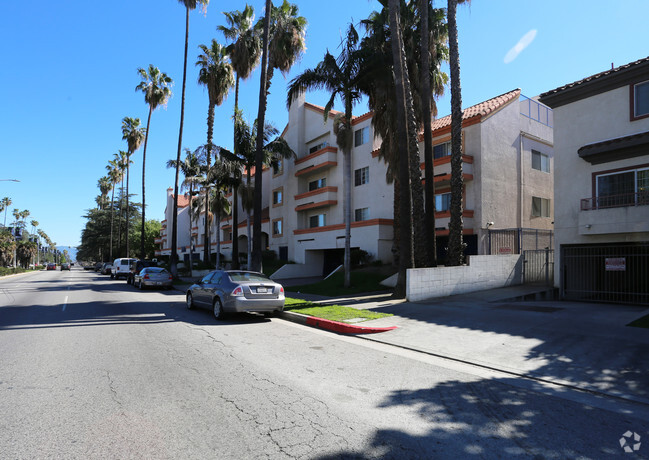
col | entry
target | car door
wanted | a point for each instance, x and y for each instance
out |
(200, 291)
(212, 288)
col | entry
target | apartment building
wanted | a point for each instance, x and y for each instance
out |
(602, 176)
(507, 167)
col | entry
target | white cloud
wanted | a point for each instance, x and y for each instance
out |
(523, 43)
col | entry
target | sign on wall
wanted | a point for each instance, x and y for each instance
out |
(615, 264)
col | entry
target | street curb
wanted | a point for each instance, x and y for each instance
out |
(334, 326)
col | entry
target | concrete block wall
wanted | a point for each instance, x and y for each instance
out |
(482, 272)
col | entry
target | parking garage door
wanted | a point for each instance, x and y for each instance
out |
(617, 273)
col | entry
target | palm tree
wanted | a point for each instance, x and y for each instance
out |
(216, 74)
(116, 174)
(105, 186)
(189, 5)
(156, 87)
(192, 169)
(244, 52)
(6, 202)
(275, 150)
(455, 244)
(133, 134)
(283, 44)
(398, 58)
(340, 76)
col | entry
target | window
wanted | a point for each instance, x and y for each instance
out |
(317, 221)
(278, 166)
(442, 150)
(319, 146)
(626, 188)
(277, 227)
(277, 197)
(361, 136)
(442, 202)
(641, 100)
(540, 161)
(316, 184)
(361, 214)
(362, 176)
(540, 207)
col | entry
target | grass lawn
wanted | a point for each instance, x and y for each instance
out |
(640, 322)
(330, 312)
(362, 281)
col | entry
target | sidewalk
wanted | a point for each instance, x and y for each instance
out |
(582, 345)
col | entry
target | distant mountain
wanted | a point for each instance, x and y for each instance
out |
(72, 251)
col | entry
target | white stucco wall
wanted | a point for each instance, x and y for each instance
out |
(481, 273)
(587, 121)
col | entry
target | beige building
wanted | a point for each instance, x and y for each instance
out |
(507, 165)
(602, 177)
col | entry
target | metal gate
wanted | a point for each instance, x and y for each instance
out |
(516, 240)
(617, 272)
(538, 266)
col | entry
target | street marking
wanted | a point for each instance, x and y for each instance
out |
(65, 302)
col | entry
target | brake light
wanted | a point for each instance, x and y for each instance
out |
(281, 290)
(238, 292)
(171, 277)
(146, 277)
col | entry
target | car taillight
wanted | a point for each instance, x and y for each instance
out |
(171, 277)
(238, 292)
(281, 290)
(146, 277)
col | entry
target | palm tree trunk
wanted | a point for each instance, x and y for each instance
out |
(429, 171)
(249, 249)
(119, 218)
(218, 237)
(455, 244)
(266, 73)
(207, 257)
(112, 217)
(191, 237)
(405, 250)
(347, 197)
(174, 227)
(128, 223)
(146, 140)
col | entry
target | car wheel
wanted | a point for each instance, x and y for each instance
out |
(190, 301)
(218, 309)
(112, 276)
(140, 285)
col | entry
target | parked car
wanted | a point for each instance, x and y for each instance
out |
(226, 291)
(136, 266)
(153, 277)
(106, 268)
(51, 266)
(121, 268)
(98, 266)
(65, 266)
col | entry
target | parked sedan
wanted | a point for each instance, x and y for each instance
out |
(106, 268)
(153, 277)
(229, 291)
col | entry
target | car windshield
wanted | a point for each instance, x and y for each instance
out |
(238, 277)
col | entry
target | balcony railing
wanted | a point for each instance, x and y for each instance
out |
(616, 201)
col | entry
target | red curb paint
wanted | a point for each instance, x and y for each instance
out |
(344, 327)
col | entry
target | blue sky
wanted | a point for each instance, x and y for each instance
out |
(68, 77)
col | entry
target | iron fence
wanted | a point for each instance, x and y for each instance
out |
(516, 240)
(640, 198)
(538, 266)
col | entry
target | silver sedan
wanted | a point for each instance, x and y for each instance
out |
(230, 291)
(153, 277)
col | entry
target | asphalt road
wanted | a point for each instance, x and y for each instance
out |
(93, 368)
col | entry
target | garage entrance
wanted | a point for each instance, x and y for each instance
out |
(616, 272)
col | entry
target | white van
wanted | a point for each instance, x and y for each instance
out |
(121, 268)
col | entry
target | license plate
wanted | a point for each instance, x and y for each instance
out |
(158, 283)
(262, 290)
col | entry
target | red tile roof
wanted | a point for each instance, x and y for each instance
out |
(479, 110)
(183, 200)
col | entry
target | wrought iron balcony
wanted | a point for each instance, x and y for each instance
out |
(640, 198)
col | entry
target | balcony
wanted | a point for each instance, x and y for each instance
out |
(317, 161)
(625, 213)
(324, 194)
(442, 165)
